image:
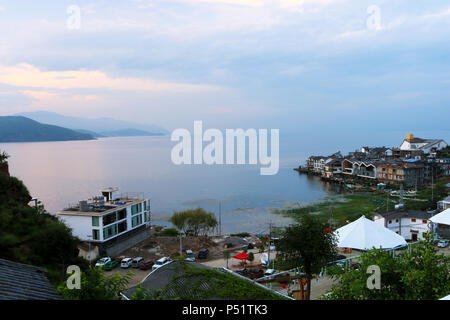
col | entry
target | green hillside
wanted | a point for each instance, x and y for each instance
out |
(21, 129)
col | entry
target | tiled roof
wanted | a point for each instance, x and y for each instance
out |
(406, 214)
(24, 282)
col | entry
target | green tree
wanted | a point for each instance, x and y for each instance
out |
(251, 257)
(308, 244)
(3, 157)
(95, 285)
(421, 274)
(197, 220)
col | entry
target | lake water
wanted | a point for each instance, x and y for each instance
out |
(62, 173)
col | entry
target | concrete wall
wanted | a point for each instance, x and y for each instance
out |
(125, 242)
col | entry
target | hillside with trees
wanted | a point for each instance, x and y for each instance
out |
(21, 129)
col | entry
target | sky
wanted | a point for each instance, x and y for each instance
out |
(334, 73)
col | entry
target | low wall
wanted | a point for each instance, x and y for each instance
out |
(125, 242)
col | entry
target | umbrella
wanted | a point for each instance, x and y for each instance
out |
(364, 234)
(241, 256)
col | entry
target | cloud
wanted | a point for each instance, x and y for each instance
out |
(26, 75)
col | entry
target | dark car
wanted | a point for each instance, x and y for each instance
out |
(255, 273)
(146, 264)
(203, 254)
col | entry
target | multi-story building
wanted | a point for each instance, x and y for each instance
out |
(407, 172)
(411, 225)
(362, 169)
(106, 217)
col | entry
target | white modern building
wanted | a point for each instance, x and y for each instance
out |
(108, 216)
(412, 143)
(444, 204)
(411, 224)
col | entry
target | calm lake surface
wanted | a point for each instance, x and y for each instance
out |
(62, 173)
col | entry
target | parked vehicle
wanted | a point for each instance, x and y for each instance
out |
(190, 256)
(203, 254)
(161, 262)
(255, 273)
(110, 265)
(135, 263)
(126, 263)
(269, 272)
(442, 243)
(146, 264)
(102, 261)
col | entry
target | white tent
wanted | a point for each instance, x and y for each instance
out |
(365, 234)
(442, 218)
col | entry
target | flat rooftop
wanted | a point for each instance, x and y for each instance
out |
(94, 207)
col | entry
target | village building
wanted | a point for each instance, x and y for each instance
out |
(362, 169)
(428, 146)
(444, 204)
(410, 224)
(441, 223)
(407, 172)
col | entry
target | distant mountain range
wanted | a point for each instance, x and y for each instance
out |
(99, 127)
(22, 129)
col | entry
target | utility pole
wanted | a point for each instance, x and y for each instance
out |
(432, 183)
(181, 245)
(220, 218)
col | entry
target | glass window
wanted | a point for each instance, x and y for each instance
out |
(95, 221)
(413, 220)
(95, 234)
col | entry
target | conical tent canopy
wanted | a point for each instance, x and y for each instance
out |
(365, 234)
(442, 218)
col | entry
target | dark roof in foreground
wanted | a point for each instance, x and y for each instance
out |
(175, 281)
(24, 282)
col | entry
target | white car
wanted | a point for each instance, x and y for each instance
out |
(126, 263)
(190, 256)
(161, 262)
(102, 261)
(442, 243)
(269, 272)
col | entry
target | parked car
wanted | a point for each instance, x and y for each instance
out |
(161, 262)
(146, 264)
(269, 272)
(135, 263)
(442, 243)
(110, 265)
(190, 256)
(102, 261)
(126, 263)
(255, 273)
(203, 254)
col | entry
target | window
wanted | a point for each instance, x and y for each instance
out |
(95, 221)
(109, 218)
(396, 220)
(122, 227)
(390, 221)
(424, 221)
(109, 232)
(136, 220)
(95, 234)
(122, 214)
(413, 220)
(136, 208)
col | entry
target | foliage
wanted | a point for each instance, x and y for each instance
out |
(421, 274)
(197, 220)
(307, 245)
(251, 256)
(169, 232)
(3, 157)
(95, 285)
(33, 236)
(240, 235)
(201, 284)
